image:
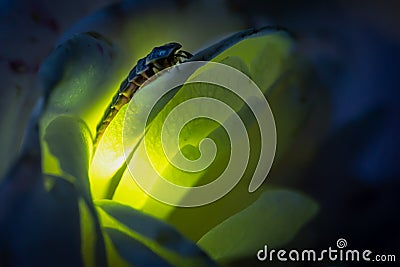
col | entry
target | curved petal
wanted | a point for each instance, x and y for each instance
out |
(273, 220)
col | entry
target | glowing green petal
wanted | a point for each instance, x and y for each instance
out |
(272, 220)
(80, 77)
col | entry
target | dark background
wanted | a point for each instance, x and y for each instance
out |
(355, 174)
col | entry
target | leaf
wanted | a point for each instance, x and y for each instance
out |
(274, 219)
(144, 230)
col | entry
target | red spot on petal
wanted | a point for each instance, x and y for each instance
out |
(18, 66)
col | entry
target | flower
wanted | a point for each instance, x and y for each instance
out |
(87, 202)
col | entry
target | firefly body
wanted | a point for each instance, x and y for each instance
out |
(158, 59)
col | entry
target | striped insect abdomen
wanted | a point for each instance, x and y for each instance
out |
(158, 59)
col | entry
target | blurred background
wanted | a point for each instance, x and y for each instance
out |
(353, 173)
